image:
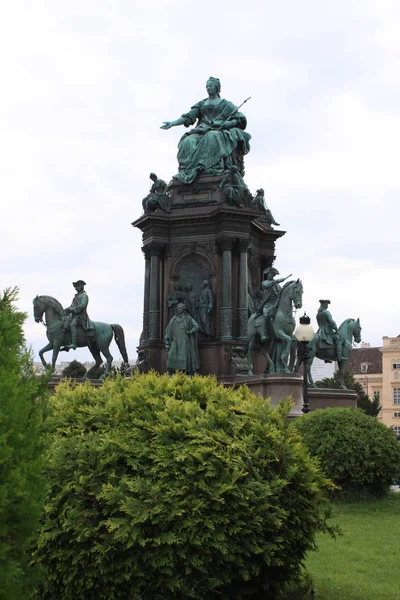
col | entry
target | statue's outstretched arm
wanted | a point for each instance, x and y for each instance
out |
(169, 124)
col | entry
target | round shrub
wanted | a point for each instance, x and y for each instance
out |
(175, 488)
(357, 452)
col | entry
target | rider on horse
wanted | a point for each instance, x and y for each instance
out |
(328, 331)
(77, 314)
(271, 290)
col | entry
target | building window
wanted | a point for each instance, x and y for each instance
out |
(364, 368)
(396, 364)
(377, 396)
(396, 395)
(396, 429)
(396, 415)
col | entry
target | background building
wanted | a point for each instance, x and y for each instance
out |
(378, 371)
(322, 370)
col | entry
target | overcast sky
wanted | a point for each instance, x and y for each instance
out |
(86, 85)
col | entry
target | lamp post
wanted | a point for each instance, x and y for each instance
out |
(304, 333)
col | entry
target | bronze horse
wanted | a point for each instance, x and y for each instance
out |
(99, 342)
(281, 342)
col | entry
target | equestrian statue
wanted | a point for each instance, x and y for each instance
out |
(272, 326)
(330, 343)
(71, 328)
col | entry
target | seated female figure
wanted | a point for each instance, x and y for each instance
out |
(217, 142)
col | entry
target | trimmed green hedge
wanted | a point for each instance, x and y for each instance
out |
(175, 488)
(359, 454)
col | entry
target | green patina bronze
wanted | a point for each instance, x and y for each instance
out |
(234, 187)
(158, 196)
(258, 203)
(72, 328)
(270, 293)
(217, 142)
(274, 328)
(331, 343)
(181, 343)
(205, 305)
(77, 313)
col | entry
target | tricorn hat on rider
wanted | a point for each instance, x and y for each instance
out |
(269, 270)
(79, 282)
(324, 301)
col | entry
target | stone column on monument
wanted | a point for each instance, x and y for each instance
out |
(146, 302)
(154, 296)
(226, 308)
(243, 287)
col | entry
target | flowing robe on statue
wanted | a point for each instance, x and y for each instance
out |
(179, 336)
(209, 150)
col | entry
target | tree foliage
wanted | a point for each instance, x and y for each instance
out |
(370, 407)
(359, 454)
(175, 488)
(22, 405)
(75, 370)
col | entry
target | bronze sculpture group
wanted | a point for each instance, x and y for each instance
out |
(214, 147)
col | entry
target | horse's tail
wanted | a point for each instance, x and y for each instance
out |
(120, 341)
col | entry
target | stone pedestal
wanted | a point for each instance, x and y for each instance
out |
(203, 237)
(276, 386)
(280, 386)
(331, 398)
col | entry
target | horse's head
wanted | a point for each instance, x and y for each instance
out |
(351, 329)
(357, 331)
(297, 293)
(38, 309)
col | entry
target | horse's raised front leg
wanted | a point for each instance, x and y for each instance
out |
(42, 351)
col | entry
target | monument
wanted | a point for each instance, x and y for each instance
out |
(207, 241)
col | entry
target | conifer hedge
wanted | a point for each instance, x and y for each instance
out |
(175, 488)
(22, 443)
(359, 454)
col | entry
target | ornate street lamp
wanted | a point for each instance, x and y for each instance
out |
(304, 333)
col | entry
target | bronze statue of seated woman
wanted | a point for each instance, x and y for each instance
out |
(217, 142)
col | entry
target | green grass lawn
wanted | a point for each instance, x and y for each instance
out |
(364, 563)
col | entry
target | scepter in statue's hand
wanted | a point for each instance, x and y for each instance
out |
(233, 113)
